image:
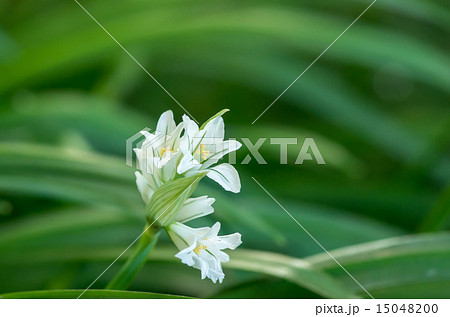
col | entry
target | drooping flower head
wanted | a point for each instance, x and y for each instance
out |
(202, 248)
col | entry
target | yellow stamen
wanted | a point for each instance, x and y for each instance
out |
(198, 248)
(164, 150)
(203, 151)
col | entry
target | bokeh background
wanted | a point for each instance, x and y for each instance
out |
(376, 104)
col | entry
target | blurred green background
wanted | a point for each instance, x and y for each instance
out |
(376, 104)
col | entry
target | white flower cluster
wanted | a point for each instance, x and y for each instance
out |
(172, 160)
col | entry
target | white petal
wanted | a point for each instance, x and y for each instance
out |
(184, 236)
(190, 133)
(139, 157)
(231, 241)
(190, 126)
(214, 230)
(148, 169)
(166, 124)
(187, 256)
(194, 208)
(169, 169)
(222, 256)
(150, 147)
(148, 136)
(174, 139)
(215, 275)
(144, 160)
(187, 163)
(144, 187)
(219, 150)
(227, 176)
(204, 267)
(215, 129)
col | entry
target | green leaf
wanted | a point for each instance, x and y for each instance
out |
(291, 269)
(168, 199)
(405, 267)
(100, 294)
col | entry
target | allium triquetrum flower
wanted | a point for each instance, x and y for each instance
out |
(171, 164)
(202, 248)
(165, 156)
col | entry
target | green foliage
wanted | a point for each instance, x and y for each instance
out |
(105, 294)
(409, 266)
(376, 103)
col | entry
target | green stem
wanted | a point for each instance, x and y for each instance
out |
(135, 262)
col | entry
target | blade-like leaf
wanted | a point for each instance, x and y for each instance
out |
(220, 113)
(101, 294)
(404, 267)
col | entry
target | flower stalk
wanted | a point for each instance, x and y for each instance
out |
(136, 261)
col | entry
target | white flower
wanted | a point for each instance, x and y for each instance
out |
(202, 248)
(165, 155)
(202, 148)
(159, 156)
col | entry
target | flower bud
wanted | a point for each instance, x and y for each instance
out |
(168, 199)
